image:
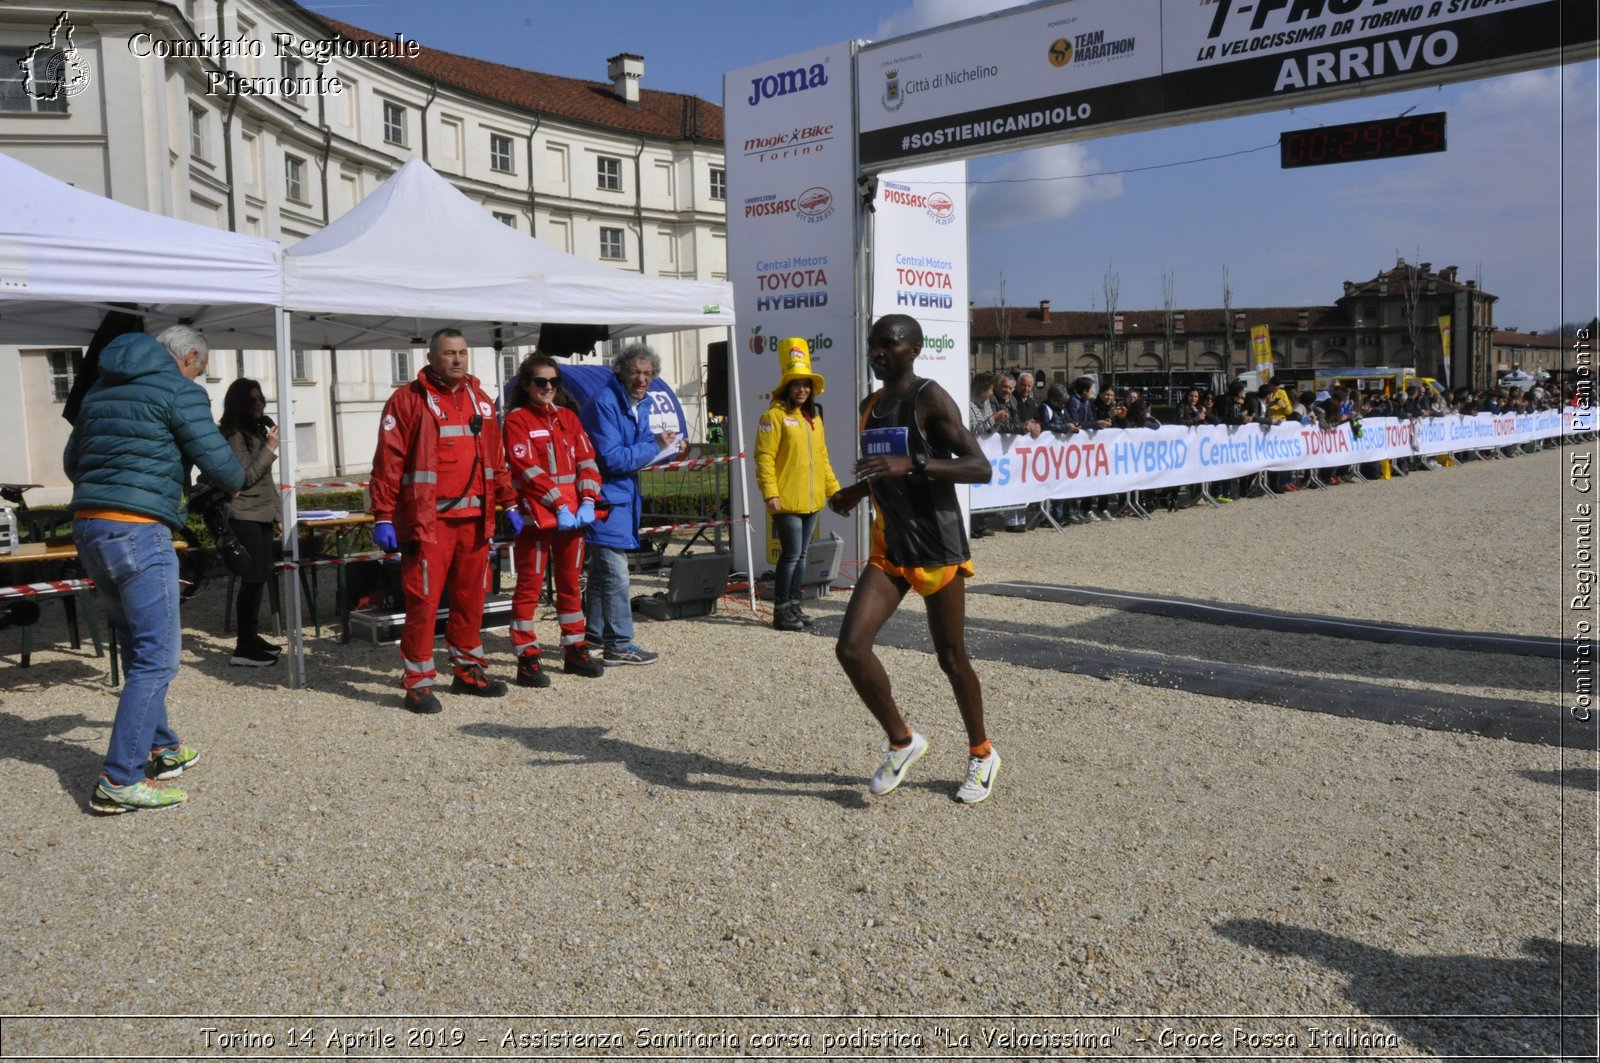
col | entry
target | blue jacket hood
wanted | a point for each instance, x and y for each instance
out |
(135, 355)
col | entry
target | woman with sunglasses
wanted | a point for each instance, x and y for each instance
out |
(557, 481)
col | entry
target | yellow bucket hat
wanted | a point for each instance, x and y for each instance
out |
(794, 358)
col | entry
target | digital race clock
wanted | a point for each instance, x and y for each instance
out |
(1380, 138)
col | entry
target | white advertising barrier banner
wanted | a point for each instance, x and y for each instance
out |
(1114, 460)
(788, 127)
(919, 241)
(1049, 71)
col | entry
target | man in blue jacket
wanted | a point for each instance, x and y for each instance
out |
(617, 419)
(140, 428)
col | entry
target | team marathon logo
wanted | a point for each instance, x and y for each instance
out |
(939, 207)
(798, 283)
(54, 69)
(803, 140)
(1082, 49)
(758, 343)
(815, 204)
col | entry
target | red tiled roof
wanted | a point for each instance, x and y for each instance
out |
(1543, 340)
(1028, 321)
(670, 115)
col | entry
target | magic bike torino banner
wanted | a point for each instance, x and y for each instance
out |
(1047, 72)
(788, 129)
(1113, 460)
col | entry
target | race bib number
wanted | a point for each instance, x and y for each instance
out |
(885, 441)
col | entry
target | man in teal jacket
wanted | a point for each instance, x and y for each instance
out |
(141, 426)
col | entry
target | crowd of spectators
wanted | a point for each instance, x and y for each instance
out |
(1009, 405)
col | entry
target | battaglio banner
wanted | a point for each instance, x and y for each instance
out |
(1114, 460)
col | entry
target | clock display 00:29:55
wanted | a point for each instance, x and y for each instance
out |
(1378, 138)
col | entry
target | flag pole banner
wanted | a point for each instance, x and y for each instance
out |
(919, 246)
(790, 146)
(1114, 460)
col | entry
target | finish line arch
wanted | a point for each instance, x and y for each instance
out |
(846, 164)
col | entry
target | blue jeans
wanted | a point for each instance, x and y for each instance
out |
(608, 606)
(135, 569)
(794, 541)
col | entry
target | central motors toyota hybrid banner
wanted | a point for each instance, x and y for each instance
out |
(1048, 72)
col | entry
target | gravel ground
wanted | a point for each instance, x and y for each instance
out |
(694, 839)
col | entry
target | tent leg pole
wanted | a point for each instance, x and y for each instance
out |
(291, 505)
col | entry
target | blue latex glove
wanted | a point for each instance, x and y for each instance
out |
(565, 521)
(383, 536)
(514, 519)
(586, 514)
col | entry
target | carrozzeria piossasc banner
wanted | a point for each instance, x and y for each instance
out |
(1113, 460)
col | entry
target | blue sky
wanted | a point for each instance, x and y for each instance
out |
(1493, 204)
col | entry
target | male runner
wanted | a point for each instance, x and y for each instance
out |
(914, 451)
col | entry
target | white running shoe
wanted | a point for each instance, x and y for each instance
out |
(894, 767)
(980, 778)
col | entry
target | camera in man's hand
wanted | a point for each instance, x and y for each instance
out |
(212, 506)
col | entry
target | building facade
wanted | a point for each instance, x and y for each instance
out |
(262, 117)
(1391, 320)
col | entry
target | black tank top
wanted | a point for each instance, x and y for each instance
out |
(920, 517)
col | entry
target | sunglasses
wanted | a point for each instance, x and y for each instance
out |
(539, 383)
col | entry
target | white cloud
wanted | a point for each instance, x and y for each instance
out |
(1039, 187)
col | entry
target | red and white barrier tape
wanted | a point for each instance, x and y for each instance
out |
(697, 463)
(328, 485)
(360, 485)
(660, 528)
(62, 586)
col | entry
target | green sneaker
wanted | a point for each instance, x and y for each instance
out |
(169, 763)
(110, 798)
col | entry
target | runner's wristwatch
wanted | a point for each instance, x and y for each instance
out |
(919, 462)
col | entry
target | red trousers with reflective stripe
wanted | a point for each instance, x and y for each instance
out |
(456, 561)
(538, 550)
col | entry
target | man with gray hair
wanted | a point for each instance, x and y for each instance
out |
(141, 425)
(617, 419)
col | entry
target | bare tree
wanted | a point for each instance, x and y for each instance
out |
(1227, 325)
(1169, 325)
(1412, 283)
(1002, 326)
(1112, 286)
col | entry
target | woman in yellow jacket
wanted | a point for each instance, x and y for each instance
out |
(794, 475)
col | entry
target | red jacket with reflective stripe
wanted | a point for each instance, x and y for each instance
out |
(404, 483)
(551, 460)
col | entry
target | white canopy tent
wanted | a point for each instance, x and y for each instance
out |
(415, 256)
(67, 254)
